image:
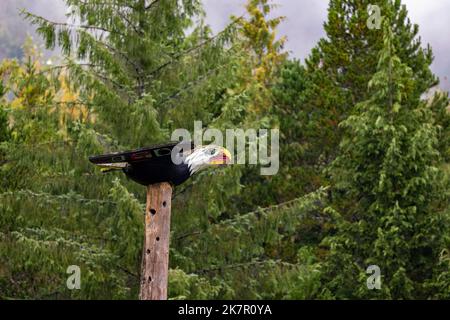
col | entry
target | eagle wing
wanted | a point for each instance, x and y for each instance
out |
(156, 153)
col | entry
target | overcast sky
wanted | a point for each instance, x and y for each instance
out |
(304, 25)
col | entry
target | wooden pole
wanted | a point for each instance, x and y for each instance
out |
(155, 256)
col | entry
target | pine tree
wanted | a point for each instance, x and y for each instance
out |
(341, 65)
(132, 73)
(391, 205)
(251, 102)
(135, 70)
(295, 176)
(47, 223)
(237, 246)
(129, 68)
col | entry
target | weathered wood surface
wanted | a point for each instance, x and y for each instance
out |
(155, 256)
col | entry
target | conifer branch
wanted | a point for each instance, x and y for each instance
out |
(241, 265)
(58, 197)
(118, 52)
(258, 213)
(192, 49)
(111, 3)
(176, 94)
(151, 4)
(130, 24)
(39, 19)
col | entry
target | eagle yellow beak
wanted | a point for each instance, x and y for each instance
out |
(222, 158)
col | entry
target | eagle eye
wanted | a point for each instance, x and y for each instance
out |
(212, 152)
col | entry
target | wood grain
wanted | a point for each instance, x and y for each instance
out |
(155, 255)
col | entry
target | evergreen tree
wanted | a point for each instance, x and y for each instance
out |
(391, 205)
(129, 68)
(46, 224)
(132, 73)
(251, 100)
(341, 65)
(259, 256)
(295, 177)
(135, 70)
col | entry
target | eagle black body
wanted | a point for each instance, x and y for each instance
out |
(150, 172)
(148, 165)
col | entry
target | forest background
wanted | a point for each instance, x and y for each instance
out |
(364, 153)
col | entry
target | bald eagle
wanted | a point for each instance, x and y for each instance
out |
(156, 164)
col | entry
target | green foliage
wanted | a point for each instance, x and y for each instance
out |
(4, 126)
(133, 71)
(341, 65)
(393, 209)
(141, 76)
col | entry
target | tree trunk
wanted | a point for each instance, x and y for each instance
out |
(155, 256)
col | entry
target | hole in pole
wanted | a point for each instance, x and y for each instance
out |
(148, 251)
(153, 211)
(149, 279)
(157, 238)
(164, 203)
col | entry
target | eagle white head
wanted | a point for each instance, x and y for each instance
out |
(205, 156)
